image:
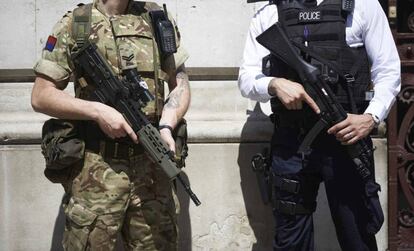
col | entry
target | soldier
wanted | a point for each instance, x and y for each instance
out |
(350, 42)
(117, 189)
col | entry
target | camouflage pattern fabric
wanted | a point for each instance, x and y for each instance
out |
(125, 40)
(139, 202)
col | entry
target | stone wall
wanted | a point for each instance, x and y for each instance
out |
(225, 131)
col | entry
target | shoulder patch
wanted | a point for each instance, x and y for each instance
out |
(50, 44)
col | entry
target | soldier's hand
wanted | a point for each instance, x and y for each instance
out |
(291, 94)
(166, 135)
(113, 123)
(353, 128)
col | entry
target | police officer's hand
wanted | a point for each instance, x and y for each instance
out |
(291, 94)
(353, 128)
(166, 135)
(113, 123)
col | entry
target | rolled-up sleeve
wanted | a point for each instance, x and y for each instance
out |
(55, 62)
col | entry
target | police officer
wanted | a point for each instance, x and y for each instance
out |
(346, 42)
(118, 189)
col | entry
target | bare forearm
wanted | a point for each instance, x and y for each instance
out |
(178, 101)
(47, 99)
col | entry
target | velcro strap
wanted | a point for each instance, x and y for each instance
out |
(292, 208)
(81, 25)
(287, 185)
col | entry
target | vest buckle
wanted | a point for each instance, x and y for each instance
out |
(349, 78)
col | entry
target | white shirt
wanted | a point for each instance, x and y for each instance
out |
(367, 25)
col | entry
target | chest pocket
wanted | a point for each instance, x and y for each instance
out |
(137, 49)
(135, 42)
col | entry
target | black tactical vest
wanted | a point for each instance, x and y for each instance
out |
(319, 32)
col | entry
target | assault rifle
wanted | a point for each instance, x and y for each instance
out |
(128, 97)
(332, 112)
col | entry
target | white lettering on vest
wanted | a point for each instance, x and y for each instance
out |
(309, 16)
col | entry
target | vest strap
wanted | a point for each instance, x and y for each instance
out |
(81, 25)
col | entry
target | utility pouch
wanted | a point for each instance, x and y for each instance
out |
(164, 31)
(181, 148)
(61, 144)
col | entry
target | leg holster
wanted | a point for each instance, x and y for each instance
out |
(298, 197)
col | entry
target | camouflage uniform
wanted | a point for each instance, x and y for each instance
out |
(108, 194)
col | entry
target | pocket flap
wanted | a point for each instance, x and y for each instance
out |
(79, 214)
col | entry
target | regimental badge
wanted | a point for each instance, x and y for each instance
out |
(50, 44)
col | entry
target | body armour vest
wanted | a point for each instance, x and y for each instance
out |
(319, 33)
(126, 41)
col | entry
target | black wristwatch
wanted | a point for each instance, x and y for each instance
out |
(165, 126)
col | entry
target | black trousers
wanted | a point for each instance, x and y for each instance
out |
(328, 162)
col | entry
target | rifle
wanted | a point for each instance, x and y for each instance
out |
(332, 112)
(128, 97)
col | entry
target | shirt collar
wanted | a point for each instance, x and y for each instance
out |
(97, 4)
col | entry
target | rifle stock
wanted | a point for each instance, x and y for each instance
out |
(274, 39)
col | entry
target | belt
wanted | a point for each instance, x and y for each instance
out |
(113, 149)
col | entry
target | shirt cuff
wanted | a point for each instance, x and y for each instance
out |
(262, 87)
(51, 70)
(377, 109)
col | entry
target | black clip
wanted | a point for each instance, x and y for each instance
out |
(349, 78)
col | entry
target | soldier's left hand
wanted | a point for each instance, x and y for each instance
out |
(353, 128)
(166, 135)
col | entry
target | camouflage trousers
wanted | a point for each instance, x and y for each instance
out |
(132, 197)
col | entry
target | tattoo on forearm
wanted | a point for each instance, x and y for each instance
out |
(175, 96)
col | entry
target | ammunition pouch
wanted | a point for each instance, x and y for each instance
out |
(61, 147)
(301, 190)
(181, 148)
(284, 184)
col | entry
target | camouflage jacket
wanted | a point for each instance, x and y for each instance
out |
(124, 40)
